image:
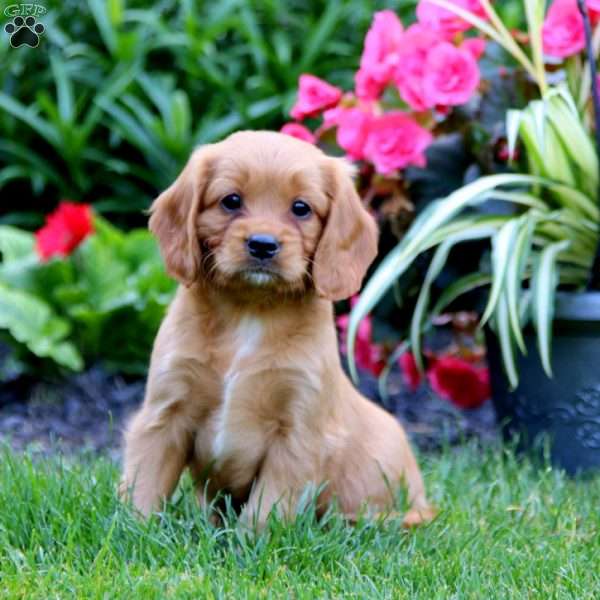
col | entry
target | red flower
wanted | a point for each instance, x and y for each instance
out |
(410, 371)
(463, 384)
(368, 355)
(64, 230)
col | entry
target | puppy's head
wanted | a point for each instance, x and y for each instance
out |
(265, 210)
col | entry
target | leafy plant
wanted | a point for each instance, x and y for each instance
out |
(547, 233)
(103, 302)
(109, 106)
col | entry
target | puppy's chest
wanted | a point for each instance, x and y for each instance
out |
(244, 343)
(261, 381)
(242, 351)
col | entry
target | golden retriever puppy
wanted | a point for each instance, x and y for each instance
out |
(245, 385)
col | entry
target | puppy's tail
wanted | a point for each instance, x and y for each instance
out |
(420, 510)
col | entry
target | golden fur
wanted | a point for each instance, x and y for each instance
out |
(245, 385)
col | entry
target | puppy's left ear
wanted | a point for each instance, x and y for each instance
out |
(348, 244)
(173, 219)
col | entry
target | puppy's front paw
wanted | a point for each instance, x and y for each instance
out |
(419, 516)
(123, 491)
(126, 495)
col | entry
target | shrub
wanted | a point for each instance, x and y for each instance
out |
(101, 297)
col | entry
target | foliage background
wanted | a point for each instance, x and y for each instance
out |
(108, 107)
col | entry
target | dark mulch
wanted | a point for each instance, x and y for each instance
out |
(431, 421)
(88, 411)
(85, 411)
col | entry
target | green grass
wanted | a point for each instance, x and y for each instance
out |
(506, 530)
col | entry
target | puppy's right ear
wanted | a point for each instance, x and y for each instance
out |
(173, 218)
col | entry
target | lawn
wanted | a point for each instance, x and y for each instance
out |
(506, 530)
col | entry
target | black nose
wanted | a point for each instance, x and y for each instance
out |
(262, 246)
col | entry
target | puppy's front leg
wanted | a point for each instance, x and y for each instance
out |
(278, 487)
(159, 439)
(156, 452)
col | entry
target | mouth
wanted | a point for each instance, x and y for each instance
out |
(260, 276)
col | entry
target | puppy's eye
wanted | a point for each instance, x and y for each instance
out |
(232, 202)
(301, 209)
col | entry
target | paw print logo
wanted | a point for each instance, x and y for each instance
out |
(24, 32)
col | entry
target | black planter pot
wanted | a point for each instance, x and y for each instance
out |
(565, 408)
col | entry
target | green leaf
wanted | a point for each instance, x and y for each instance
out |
(15, 243)
(36, 164)
(103, 274)
(435, 268)
(108, 32)
(29, 117)
(13, 172)
(513, 124)
(575, 140)
(32, 322)
(319, 35)
(417, 239)
(534, 11)
(64, 89)
(505, 339)
(517, 261)
(544, 288)
(502, 247)
(457, 288)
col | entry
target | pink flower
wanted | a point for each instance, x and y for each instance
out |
(379, 59)
(410, 371)
(368, 356)
(367, 86)
(314, 95)
(416, 45)
(459, 381)
(475, 46)
(331, 116)
(396, 141)
(299, 131)
(353, 129)
(444, 21)
(451, 76)
(562, 33)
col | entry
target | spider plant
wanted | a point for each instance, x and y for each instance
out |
(546, 238)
